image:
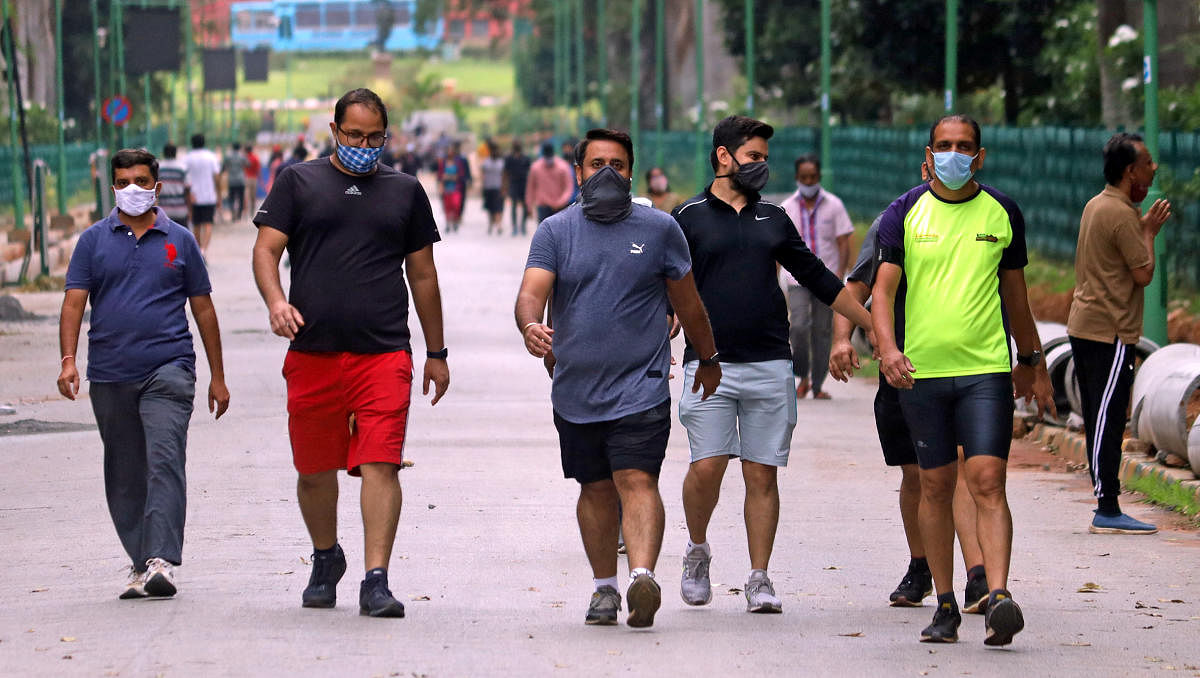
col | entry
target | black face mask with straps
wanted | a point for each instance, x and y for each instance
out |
(605, 196)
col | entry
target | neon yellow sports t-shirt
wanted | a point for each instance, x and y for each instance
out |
(952, 253)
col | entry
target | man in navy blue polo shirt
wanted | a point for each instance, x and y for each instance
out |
(137, 267)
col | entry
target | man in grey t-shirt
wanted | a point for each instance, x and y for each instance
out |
(613, 266)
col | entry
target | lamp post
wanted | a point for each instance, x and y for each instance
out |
(951, 54)
(1154, 317)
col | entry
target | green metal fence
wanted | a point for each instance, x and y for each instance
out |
(1051, 172)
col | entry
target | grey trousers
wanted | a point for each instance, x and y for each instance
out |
(811, 334)
(143, 425)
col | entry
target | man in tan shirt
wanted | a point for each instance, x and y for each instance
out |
(1114, 261)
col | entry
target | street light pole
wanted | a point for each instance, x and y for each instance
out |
(660, 76)
(826, 85)
(580, 74)
(700, 172)
(635, 86)
(61, 179)
(1154, 317)
(749, 28)
(951, 54)
(188, 71)
(602, 51)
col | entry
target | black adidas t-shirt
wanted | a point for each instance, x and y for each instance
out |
(347, 239)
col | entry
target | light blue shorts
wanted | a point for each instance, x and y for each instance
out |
(751, 415)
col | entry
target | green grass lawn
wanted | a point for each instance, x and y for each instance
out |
(321, 75)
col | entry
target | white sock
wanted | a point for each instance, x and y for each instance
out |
(703, 546)
(607, 581)
(635, 572)
(752, 572)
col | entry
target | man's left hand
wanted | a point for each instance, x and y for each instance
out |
(437, 371)
(218, 397)
(1034, 382)
(843, 360)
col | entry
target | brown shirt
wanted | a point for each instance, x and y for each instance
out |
(1108, 303)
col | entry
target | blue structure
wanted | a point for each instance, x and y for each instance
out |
(326, 25)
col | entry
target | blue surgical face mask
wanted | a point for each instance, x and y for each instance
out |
(953, 169)
(358, 160)
(806, 191)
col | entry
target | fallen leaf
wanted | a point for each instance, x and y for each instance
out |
(856, 634)
(1089, 587)
(285, 572)
(1076, 644)
(418, 597)
(41, 590)
(432, 506)
(1139, 605)
(1169, 600)
(734, 591)
(1152, 659)
(614, 652)
(831, 567)
(67, 639)
(67, 656)
(532, 588)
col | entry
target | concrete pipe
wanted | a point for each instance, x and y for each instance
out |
(1194, 447)
(1057, 361)
(1165, 383)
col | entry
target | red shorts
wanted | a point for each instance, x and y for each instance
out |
(324, 389)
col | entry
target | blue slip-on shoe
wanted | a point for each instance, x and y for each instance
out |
(1120, 524)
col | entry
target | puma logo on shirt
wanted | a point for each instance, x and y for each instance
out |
(635, 248)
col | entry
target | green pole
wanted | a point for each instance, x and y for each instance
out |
(287, 91)
(660, 76)
(580, 75)
(700, 172)
(951, 54)
(558, 65)
(96, 74)
(826, 85)
(749, 28)
(146, 100)
(119, 47)
(188, 71)
(173, 81)
(1154, 315)
(602, 51)
(18, 182)
(635, 80)
(113, 83)
(61, 179)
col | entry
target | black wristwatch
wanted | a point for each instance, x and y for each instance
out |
(437, 355)
(1030, 360)
(711, 361)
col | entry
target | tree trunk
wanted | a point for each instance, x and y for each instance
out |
(1113, 113)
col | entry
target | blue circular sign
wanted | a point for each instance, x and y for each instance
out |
(117, 110)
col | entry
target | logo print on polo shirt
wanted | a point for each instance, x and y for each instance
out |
(635, 248)
(353, 190)
(986, 237)
(171, 254)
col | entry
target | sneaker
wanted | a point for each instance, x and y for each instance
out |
(602, 611)
(695, 587)
(944, 628)
(644, 598)
(327, 571)
(760, 595)
(135, 587)
(1003, 619)
(160, 578)
(375, 600)
(917, 583)
(976, 596)
(1120, 524)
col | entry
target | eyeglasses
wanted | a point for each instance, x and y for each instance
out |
(355, 138)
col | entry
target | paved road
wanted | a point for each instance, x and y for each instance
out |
(490, 563)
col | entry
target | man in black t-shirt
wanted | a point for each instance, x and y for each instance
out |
(351, 226)
(516, 174)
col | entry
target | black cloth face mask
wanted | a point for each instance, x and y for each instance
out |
(750, 177)
(605, 196)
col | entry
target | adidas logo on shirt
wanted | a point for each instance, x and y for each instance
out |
(353, 190)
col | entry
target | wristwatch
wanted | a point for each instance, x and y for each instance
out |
(437, 355)
(1030, 360)
(710, 361)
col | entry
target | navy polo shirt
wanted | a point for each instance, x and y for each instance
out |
(137, 288)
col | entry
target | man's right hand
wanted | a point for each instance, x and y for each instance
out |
(708, 376)
(68, 379)
(286, 321)
(538, 339)
(897, 369)
(1156, 216)
(843, 360)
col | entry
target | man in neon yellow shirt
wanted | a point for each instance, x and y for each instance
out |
(960, 245)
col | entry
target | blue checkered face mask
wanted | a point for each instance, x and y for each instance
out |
(358, 160)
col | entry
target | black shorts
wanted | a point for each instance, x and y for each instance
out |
(493, 201)
(974, 411)
(203, 214)
(894, 438)
(591, 452)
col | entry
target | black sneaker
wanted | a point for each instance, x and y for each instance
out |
(944, 628)
(602, 611)
(917, 583)
(327, 571)
(976, 598)
(375, 600)
(1003, 619)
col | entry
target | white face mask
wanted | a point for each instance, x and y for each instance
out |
(135, 200)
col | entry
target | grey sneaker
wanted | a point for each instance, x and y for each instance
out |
(696, 587)
(160, 578)
(602, 611)
(135, 587)
(760, 595)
